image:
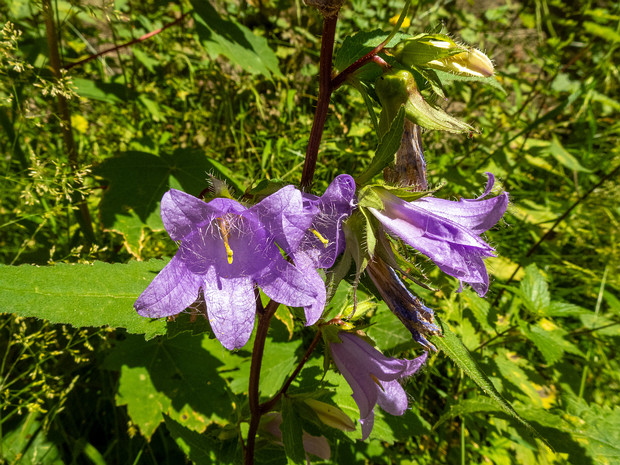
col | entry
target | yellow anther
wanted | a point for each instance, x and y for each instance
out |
(320, 237)
(374, 378)
(225, 232)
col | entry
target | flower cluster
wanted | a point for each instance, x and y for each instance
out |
(226, 249)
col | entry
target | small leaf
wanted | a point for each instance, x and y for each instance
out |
(535, 291)
(564, 157)
(292, 434)
(386, 150)
(454, 348)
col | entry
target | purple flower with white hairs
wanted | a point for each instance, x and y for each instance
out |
(447, 232)
(225, 250)
(373, 377)
(318, 244)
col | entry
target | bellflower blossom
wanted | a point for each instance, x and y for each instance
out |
(409, 309)
(447, 232)
(373, 377)
(225, 250)
(317, 245)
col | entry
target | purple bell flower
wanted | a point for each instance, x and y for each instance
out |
(316, 244)
(446, 231)
(225, 250)
(373, 377)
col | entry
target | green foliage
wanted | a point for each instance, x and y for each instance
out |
(98, 294)
(230, 91)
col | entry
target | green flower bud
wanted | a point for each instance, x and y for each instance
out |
(331, 415)
(398, 87)
(440, 52)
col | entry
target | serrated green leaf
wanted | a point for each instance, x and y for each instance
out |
(234, 41)
(534, 290)
(100, 294)
(386, 150)
(292, 434)
(177, 377)
(455, 350)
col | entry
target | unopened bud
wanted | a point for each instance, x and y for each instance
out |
(331, 415)
(395, 88)
(440, 52)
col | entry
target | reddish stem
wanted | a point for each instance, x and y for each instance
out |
(325, 92)
(127, 44)
(264, 318)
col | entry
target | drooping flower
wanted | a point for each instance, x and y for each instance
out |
(409, 309)
(225, 250)
(446, 231)
(318, 244)
(373, 377)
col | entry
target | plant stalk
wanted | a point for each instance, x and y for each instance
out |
(325, 92)
(257, 359)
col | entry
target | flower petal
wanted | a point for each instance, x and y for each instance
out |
(173, 290)
(285, 217)
(392, 398)
(182, 213)
(231, 307)
(287, 285)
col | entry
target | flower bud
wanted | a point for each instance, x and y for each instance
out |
(440, 52)
(398, 87)
(331, 415)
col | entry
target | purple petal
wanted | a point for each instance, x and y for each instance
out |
(173, 290)
(367, 424)
(392, 398)
(287, 285)
(182, 213)
(284, 215)
(231, 307)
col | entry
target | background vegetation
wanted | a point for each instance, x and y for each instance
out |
(166, 110)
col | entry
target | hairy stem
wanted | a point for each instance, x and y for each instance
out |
(257, 359)
(325, 92)
(83, 214)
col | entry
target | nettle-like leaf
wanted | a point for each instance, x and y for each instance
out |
(177, 377)
(81, 295)
(534, 290)
(454, 348)
(137, 182)
(234, 41)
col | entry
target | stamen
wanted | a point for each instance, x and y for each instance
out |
(374, 378)
(320, 237)
(225, 232)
